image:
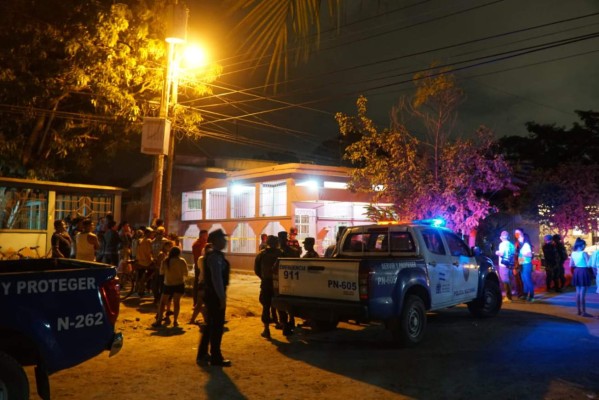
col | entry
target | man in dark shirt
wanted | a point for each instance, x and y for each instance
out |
(551, 260)
(263, 268)
(61, 241)
(216, 277)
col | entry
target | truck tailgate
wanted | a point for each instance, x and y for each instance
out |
(319, 278)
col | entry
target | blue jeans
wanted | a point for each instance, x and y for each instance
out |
(529, 287)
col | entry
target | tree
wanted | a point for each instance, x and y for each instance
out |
(561, 175)
(275, 29)
(77, 78)
(450, 183)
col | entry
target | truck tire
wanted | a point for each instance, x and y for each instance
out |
(13, 380)
(408, 329)
(489, 304)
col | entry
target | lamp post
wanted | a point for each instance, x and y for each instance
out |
(176, 33)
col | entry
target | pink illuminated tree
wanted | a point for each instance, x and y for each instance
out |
(435, 176)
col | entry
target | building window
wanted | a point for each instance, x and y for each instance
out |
(23, 208)
(305, 222)
(273, 199)
(191, 206)
(71, 205)
(243, 239)
(243, 201)
(216, 203)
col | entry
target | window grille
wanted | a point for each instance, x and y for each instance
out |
(191, 206)
(243, 202)
(216, 203)
(68, 206)
(273, 199)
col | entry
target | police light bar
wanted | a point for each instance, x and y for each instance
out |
(385, 222)
(436, 222)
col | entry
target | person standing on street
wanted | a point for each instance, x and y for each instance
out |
(216, 277)
(197, 249)
(61, 241)
(506, 253)
(562, 257)
(551, 260)
(309, 243)
(517, 270)
(525, 261)
(581, 275)
(263, 268)
(86, 242)
(287, 320)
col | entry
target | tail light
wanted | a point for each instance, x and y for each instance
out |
(111, 298)
(363, 281)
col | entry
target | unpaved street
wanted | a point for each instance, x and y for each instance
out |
(530, 351)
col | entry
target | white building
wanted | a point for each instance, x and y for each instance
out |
(269, 199)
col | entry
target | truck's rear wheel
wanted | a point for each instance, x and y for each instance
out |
(408, 329)
(489, 304)
(13, 380)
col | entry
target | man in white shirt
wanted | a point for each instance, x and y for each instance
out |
(506, 254)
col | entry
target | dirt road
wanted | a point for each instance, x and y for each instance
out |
(530, 351)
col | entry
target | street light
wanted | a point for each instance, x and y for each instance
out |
(156, 132)
(195, 57)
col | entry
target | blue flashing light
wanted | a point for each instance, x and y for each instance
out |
(436, 222)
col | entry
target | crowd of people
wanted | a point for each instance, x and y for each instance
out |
(516, 268)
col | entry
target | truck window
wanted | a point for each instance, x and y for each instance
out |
(402, 242)
(457, 247)
(432, 241)
(356, 242)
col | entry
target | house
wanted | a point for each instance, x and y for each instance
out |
(267, 199)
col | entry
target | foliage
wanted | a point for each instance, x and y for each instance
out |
(565, 198)
(276, 28)
(561, 173)
(399, 167)
(77, 78)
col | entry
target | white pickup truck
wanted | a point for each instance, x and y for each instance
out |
(392, 273)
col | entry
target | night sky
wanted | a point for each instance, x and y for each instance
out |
(496, 46)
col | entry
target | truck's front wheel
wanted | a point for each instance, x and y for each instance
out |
(13, 380)
(489, 304)
(408, 329)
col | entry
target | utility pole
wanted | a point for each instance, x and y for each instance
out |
(176, 33)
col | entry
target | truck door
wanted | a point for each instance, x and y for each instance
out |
(438, 263)
(465, 269)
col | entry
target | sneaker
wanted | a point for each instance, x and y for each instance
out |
(220, 363)
(506, 300)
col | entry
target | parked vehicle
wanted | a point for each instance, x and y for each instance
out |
(393, 273)
(56, 313)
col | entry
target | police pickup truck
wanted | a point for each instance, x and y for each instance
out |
(55, 313)
(392, 273)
